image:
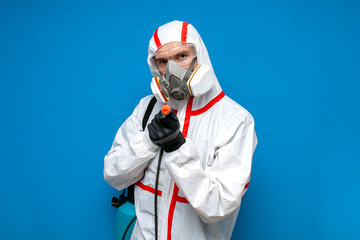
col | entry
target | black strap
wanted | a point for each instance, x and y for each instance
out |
(148, 112)
(130, 189)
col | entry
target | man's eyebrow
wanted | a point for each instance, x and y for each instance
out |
(160, 58)
(183, 50)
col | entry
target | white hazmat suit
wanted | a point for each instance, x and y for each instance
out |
(202, 183)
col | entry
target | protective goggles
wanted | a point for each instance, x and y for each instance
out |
(183, 55)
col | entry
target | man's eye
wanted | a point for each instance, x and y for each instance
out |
(182, 56)
(161, 62)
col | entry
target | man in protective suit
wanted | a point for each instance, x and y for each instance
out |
(204, 145)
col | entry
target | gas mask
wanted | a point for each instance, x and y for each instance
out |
(176, 79)
(179, 82)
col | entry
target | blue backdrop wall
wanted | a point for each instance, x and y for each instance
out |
(72, 71)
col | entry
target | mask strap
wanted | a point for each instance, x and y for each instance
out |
(189, 70)
(187, 74)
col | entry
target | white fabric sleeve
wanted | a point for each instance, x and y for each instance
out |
(217, 191)
(130, 152)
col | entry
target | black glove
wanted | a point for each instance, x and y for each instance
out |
(164, 131)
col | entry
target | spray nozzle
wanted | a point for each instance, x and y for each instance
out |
(165, 109)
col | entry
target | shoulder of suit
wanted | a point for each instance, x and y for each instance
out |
(230, 108)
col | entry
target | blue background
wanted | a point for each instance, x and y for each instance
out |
(72, 71)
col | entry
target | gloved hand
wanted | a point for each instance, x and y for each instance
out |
(164, 131)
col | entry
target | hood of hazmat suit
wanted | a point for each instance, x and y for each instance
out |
(201, 184)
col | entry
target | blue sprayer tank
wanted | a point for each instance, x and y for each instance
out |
(124, 215)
